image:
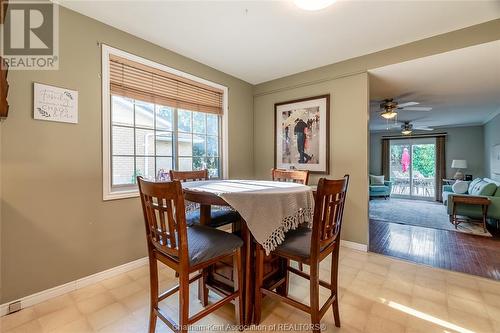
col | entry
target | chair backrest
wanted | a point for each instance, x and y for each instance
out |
(328, 212)
(164, 217)
(296, 176)
(184, 176)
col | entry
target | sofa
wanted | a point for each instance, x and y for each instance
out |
(478, 187)
(377, 189)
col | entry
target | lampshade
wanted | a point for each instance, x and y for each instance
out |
(459, 164)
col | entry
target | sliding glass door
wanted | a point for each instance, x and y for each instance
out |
(413, 168)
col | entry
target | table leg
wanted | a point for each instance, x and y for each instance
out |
(205, 212)
(248, 280)
(485, 215)
(454, 215)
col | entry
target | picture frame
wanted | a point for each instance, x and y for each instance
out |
(302, 134)
(495, 162)
(52, 103)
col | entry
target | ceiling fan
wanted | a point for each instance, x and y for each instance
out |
(389, 108)
(407, 127)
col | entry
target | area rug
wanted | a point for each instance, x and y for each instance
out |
(420, 213)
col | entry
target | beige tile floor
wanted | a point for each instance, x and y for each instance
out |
(377, 294)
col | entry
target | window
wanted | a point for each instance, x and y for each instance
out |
(152, 123)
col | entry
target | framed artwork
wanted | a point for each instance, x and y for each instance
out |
(55, 104)
(301, 134)
(495, 162)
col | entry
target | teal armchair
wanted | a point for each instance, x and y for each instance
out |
(381, 190)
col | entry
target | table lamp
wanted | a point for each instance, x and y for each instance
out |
(459, 164)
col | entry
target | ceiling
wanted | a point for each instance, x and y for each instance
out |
(258, 41)
(462, 87)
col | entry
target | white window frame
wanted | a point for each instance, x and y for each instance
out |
(109, 193)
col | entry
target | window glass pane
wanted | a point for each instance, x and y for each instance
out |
(164, 118)
(144, 142)
(144, 114)
(199, 163)
(164, 143)
(198, 145)
(145, 166)
(212, 124)
(212, 146)
(123, 170)
(185, 164)
(122, 140)
(213, 167)
(185, 146)
(184, 121)
(199, 122)
(122, 111)
(163, 166)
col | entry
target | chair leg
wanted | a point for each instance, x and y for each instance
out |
(314, 296)
(153, 281)
(183, 302)
(259, 276)
(284, 288)
(202, 288)
(238, 286)
(334, 285)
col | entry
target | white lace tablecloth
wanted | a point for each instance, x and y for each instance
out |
(269, 208)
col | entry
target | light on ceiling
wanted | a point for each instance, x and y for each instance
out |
(389, 114)
(406, 131)
(313, 4)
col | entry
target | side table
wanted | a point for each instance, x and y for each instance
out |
(469, 200)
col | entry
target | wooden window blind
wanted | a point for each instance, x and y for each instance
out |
(134, 80)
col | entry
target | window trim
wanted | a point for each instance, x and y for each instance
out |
(109, 193)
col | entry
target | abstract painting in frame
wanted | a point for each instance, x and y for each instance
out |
(301, 134)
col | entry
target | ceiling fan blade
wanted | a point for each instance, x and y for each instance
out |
(423, 128)
(403, 105)
(417, 108)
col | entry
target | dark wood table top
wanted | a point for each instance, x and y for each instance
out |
(471, 200)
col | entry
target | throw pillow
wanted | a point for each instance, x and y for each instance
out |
(376, 180)
(460, 187)
(473, 184)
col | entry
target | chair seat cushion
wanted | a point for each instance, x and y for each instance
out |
(297, 243)
(218, 217)
(378, 188)
(205, 243)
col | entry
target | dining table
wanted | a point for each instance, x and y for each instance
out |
(268, 209)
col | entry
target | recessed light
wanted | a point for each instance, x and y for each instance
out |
(313, 4)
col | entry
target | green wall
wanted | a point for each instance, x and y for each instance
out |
(55, 226)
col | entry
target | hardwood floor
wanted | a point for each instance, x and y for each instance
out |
(445, 249)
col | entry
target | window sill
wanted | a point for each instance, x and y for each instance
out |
(121, 194)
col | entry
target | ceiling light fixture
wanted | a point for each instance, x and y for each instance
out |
(406, 132)
(389, 114)
(406, 128)
(313, 4)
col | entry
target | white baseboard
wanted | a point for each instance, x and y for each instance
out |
(354, 246)
(97, 277)
(73, 285)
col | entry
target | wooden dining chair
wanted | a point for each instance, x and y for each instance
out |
(218, 217)
(186, 250)
(310, 246)
(295, 176)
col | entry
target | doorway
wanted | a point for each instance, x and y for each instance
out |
(413, 168)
